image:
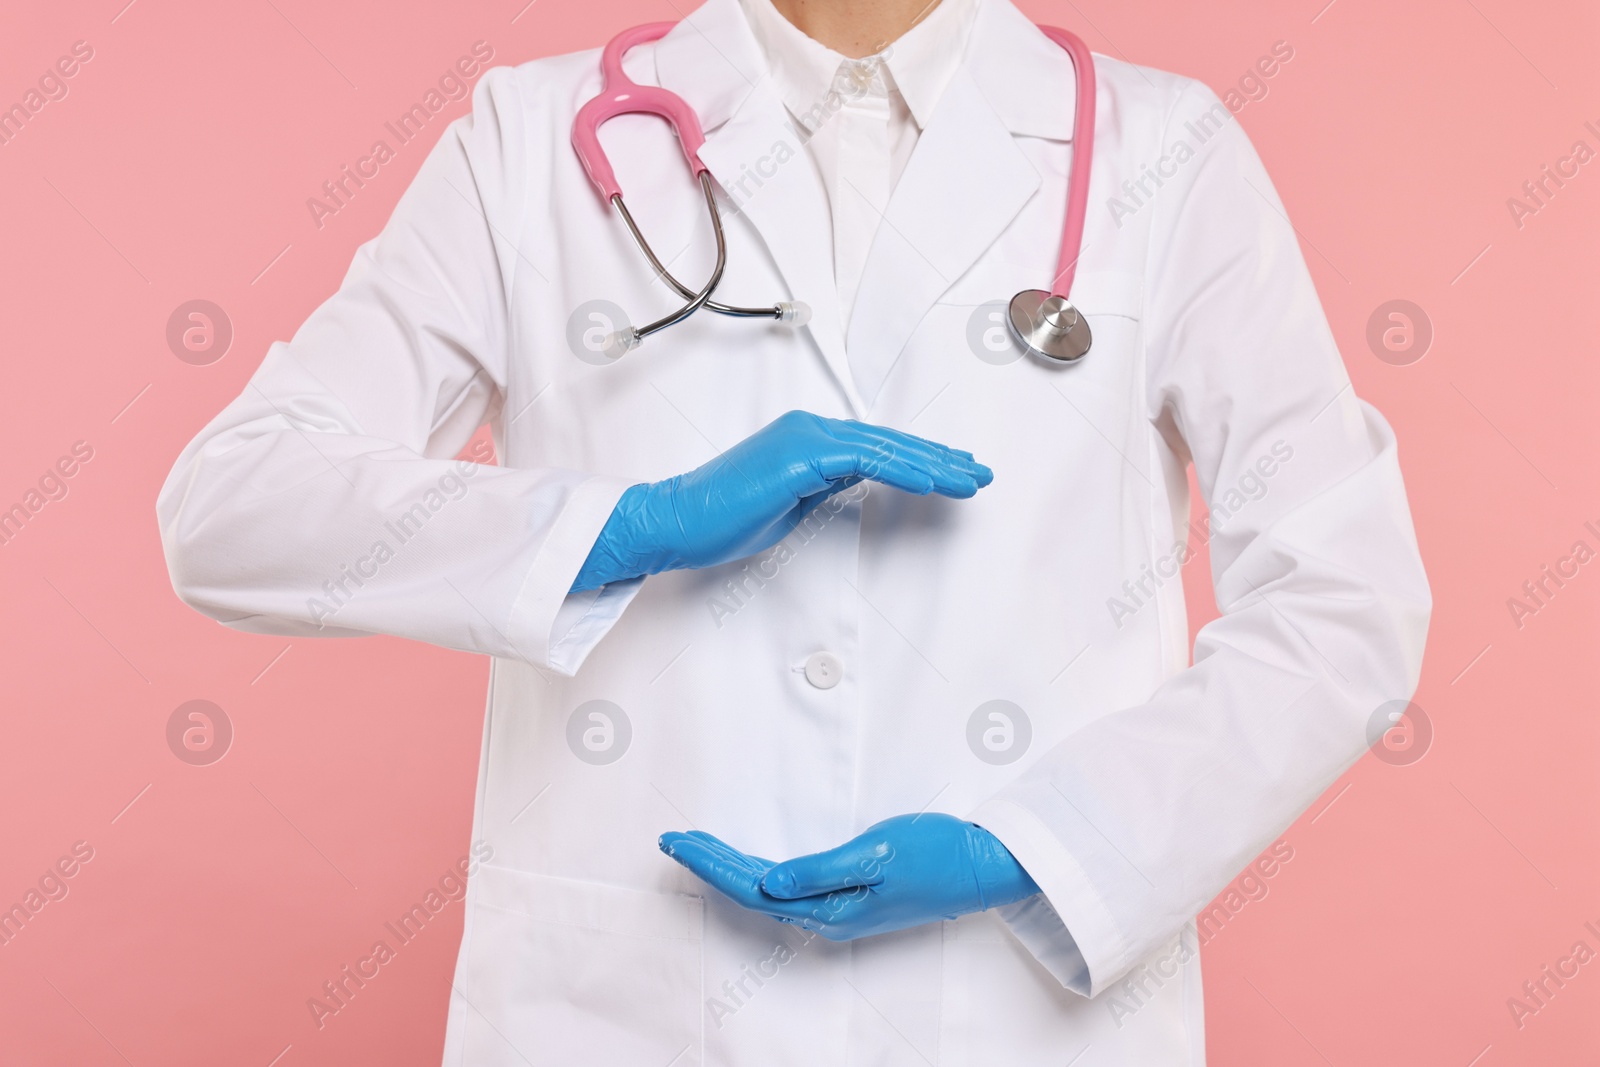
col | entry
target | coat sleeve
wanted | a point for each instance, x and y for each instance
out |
(1135, 822)
(326, 499)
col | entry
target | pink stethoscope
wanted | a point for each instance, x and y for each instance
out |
(1045, 323)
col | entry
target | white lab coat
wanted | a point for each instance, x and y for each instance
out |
(1141, 785)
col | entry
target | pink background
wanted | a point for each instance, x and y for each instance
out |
(220, 897)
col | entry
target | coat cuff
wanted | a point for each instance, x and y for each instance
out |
(554, 628)
(1068, 927)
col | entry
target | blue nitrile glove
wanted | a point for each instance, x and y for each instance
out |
(904, 871)
(747, 499)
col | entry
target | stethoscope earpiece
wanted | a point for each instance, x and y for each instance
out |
(1048, 326)
(621, 342)
(794, 313)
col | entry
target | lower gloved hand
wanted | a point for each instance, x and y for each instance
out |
(904, 871)
(751, 496)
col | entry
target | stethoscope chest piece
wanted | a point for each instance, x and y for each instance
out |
(1048, 326)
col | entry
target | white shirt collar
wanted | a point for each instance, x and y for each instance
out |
(917, 66)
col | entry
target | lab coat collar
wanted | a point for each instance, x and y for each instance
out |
(926, 57)
(803, 70)
(966, 179)
(757, 155)
(713, 60)
(1025, 76)
(919, 64)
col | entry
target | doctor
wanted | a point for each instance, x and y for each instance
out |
(871, 625)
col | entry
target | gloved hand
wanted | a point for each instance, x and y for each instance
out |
(904, 871)
(747, 499)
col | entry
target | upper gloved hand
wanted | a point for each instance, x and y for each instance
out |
(904, 871)
(750, 497)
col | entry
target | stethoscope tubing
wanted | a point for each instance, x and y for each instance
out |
(696, 300)
(1082, 157)
(1043, 321)
(773, 312)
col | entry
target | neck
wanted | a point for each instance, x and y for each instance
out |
(854, 28)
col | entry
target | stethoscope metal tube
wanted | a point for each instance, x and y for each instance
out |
(629, 336)
(782, 311)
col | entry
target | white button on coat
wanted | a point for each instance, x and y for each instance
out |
(824, 670)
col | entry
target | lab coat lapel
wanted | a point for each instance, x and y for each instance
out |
(756, 155)
(789, 209)
(966, 180)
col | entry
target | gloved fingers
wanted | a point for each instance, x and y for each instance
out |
(710, 848)
(738, 881)
(909, 474)
(889, 442)
(846, 462)
(838, 916)
(881, 441)
(883, 459)
(847, 867)
(734, 855)
(854, 429)
(732, 876)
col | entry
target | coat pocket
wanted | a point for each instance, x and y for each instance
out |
(558, 971)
